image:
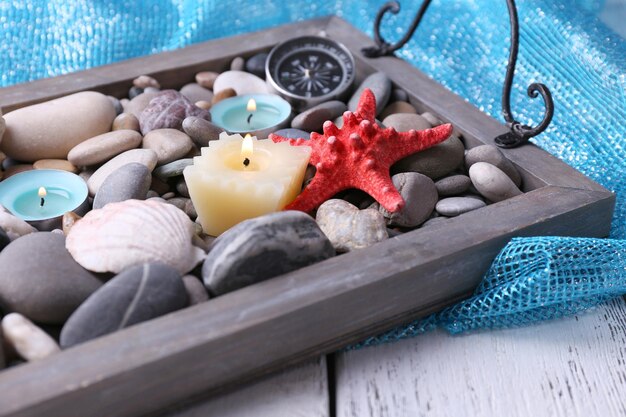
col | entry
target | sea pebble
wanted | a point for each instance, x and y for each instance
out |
(435, 220)
(293, 133)
(173, 169)
(13, 226)
(181, 187)
(206, 78)
(195, 92)
(403, 122)
(454, 206)
(167, 111)
(397, 107)
(49, 130)
(117, 105)
(201, 131)
(103, 147)
(262, 248)
(222, 95)
(134, 92)
(145, 157)
(420, 196)
(195, 290)
(237, 64)
(256, 64)
(206, 105)
(493, 155)
(453, 185)
(349, 228)
(47, 287)
(168, 144)
(312, 119)
(126, 121)
(28, 340)
(130, 181)
(60, 164)
(398, 94)
(431, 118)
(135, 295)
(492, 183)
(240, 81)
(152, 194)
(144, 81)
(68, 221)
(131, 232)
(159, 185)
(380, 85)
(434, 162)
(169, 195)
(139, 103)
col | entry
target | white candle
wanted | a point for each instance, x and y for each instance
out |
(235, 179)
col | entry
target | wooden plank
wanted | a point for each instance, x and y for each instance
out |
(538, 168)
(569, 367)
(301, 390)
(173, 69)
(306, 313)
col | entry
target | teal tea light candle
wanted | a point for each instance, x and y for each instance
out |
(41, 197)
(257, 114)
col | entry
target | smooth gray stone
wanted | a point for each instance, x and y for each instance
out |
(492, 183)
(173, 169)
(131, 181)
(41, 280)
(420, 196)
(256, 64)
(380, 85)
(262, 248)
(403, 122)
(293, 134)
(453, 185)
(434, 221)
(349, 228)
(494, 156)
(134, 92)
(116, 104)
(237, 64)
(201, 131)
(181, 188)
(434, 162)
(454, 206)
(133, 296)
(195, 93)
(398, 94)
(313, 119)
(195, 290)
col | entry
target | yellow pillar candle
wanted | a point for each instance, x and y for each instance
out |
(235, 179)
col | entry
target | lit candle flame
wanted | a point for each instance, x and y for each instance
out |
(247, 146)
(251, 105)
(42, 192)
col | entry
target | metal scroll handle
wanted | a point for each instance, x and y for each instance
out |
(519, 133)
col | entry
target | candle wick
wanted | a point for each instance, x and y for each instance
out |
(246, 162)
(43, 201)
(250, 117)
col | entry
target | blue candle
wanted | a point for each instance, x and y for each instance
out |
(41, 197)
(258, 114)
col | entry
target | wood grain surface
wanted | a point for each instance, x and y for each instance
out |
(572, 367)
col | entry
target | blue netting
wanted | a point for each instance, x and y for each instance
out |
(463, 44)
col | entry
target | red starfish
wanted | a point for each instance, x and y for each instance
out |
(359, 155)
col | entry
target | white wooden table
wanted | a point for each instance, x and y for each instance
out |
(568, 367)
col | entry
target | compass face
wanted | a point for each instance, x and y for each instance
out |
(310, 68)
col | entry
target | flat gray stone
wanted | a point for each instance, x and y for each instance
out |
(380, 85)
(492, 183)
(201, 131)
(133, 296)
(349, 228)
(420, 196)
(453, 185)
(403, 122)
(312, 119)
(131, 181)
(454, 206)
(41, 280)
(195, 93)
(195, 290)
(256, 64)
(492, 155)
(435, 162)
(293, 134)
(168, 144)
(264, 247)
(173, 169)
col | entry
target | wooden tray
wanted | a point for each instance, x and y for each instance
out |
(194, 352)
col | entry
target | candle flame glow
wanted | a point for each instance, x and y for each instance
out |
(42, 192)
(251, 105)
(247, 146)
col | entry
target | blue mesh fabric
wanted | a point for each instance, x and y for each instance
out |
(463, 44)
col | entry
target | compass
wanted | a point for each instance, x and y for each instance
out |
(310, 70)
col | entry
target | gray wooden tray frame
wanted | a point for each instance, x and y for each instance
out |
(195, 352)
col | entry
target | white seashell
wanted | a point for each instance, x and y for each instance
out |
(131, 232)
